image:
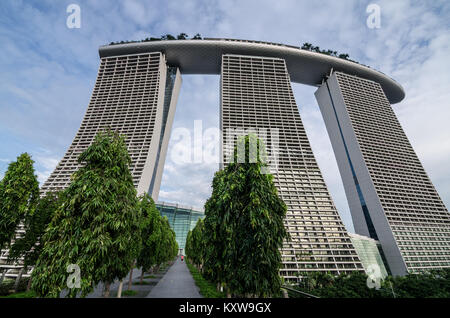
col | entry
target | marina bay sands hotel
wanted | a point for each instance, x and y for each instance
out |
(391, 197)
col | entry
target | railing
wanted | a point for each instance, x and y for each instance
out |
(180, 206)
(294, 293)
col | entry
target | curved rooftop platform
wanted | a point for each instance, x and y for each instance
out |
(205, 57)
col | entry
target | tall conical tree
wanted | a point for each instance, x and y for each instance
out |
(215, 224)
(251, 218)
(146, 258)
(97, 225)
(197, 244)
(19, 194)
(165, 249)
(29, 245)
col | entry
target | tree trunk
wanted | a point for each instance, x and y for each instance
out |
(130, 281)
(142, 277)
(119, 292)
(29, 283)
(19, 277)
(228, 292)
(106, 290)
(218, 287)
(3, 276)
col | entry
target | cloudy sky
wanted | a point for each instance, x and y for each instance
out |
(47, 73)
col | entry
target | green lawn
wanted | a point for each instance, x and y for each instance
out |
(207, 289)
(143, 283)
(28, 294)
(129, 293)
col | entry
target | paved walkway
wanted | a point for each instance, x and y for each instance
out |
(177, 283)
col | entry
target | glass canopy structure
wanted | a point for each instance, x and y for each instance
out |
(182, 219)
(370, 254)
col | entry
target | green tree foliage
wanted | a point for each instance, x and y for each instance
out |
(430, 284)
(195, 248)
(256, 216)
(151, 234)
(346, 285)
(168, 246)
(167, 37)
(215, 233)
(244, 224)
(97, 225)
(30, 246)
(312, 48)
(159, 243)
(182, 36)
(19, 195)
(188, 244)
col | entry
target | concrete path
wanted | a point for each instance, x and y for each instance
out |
(177, 283)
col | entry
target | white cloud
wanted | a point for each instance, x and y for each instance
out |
(45, 166)
(141, 13)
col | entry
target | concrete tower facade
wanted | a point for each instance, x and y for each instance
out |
(391, 198)
(135, 95)
(256, 93)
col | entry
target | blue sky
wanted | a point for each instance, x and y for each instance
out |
(48, 71)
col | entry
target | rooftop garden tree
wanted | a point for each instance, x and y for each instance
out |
(167, 37)
(96, 226)
(312, 48)
(182, 36)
